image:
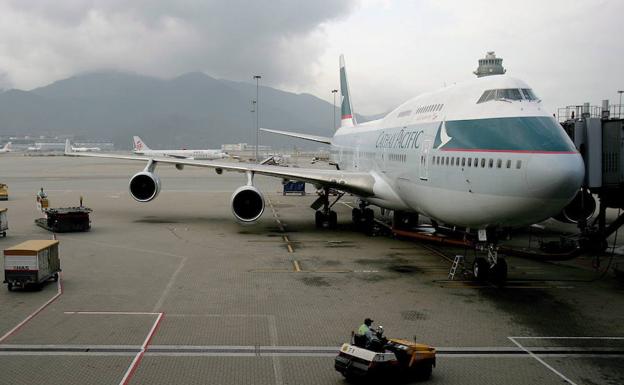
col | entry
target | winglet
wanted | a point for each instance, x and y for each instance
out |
(346, 108)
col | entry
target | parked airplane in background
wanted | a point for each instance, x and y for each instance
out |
(85, 149)
(6, 148)
(481, 154)
(140, 148)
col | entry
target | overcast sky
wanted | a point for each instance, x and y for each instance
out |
(569, 51)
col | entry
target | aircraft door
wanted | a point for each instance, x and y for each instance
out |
(424, 160)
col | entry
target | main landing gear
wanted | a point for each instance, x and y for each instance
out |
(325, 217)
(363, 218)
(493, 268)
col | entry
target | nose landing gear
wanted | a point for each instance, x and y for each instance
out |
(493, 268)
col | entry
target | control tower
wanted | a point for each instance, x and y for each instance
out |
(490, 65)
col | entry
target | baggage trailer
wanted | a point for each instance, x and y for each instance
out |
(4, 223)
(292, 187)
(4, 192)
(31, 263)
(65, 219)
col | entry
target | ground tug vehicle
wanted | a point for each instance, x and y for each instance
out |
(383, 359)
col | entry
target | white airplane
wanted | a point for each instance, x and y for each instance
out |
(6, 148)
(481, 154)
(85, 149)
(140, 148)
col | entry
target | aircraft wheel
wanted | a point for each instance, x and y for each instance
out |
(498, 272)
(480, 269)
(333, 219)
(356, 216)
(10, 286)
(318, 219)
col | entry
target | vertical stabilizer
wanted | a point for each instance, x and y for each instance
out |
(139, 145)
(7, 147)
(346, 109)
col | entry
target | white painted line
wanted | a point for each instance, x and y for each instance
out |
(139, 356)
(111, 313)
(568, 338)
(172, 280)
(543, 362)
(59, 291)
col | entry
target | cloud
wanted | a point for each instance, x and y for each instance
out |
(44, 40)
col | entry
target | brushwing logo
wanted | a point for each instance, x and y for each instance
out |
(442, 137)
(139, 145)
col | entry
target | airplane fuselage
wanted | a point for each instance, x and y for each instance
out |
(461, 158)
(188, 154)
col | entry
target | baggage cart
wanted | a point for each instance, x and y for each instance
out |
(31, 263)
(294, 188)
(4, 223)
(4, 192)
(65, 219)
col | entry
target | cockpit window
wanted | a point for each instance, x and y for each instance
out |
(509, 94)
(528, 94)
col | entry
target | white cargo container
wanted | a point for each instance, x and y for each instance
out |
(31, 263)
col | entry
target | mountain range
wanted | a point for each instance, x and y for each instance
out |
(193, 110)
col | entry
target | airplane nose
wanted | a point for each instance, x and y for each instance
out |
(555, 176)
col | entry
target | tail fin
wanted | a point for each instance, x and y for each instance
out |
(7, 146)
(346, 109)
(139, 144)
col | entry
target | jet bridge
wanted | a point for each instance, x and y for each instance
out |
(598, 133)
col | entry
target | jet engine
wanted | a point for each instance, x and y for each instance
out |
(582, 206)
(144, 186)
(247, 203)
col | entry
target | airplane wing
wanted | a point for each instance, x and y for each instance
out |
(360, 183)
(313, 138)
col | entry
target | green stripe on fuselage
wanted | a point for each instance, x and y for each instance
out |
(505, 134)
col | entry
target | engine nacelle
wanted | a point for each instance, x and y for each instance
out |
(582, 206)
(247, 203)
(144, 186)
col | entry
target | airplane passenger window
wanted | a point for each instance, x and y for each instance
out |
(499, 163)
(491, 163)
(447, 160)
(463, 162)
(508, 163)
(457, 161)
(452, 161)
(469, 162)
(519, 164)
(482, 162)
(476, 162)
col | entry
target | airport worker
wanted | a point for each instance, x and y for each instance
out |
(364, 333)
(41, 194)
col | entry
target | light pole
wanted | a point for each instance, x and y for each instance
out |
(257, 77)
(253, 112)
(334, 121)
(620, 106)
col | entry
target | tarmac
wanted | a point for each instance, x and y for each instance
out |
(176, 291)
